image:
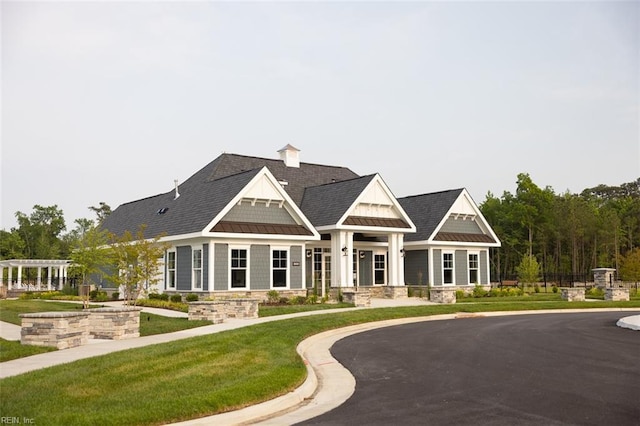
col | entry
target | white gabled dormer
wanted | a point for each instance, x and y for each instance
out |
(290, 155)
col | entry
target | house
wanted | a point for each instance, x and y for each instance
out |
(248, 225)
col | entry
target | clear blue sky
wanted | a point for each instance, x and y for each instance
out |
(112, 101)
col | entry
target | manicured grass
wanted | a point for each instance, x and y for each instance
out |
(157, 324)
(534, 297)
(272, 310)
(11, 309)
(199, 376)
(12, 349)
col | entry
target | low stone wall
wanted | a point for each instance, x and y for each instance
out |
(360, 298)
(214, 311)
(60, 330)
(572, 294)
(442, 295)
(242, 308)
(616, 294)
(388, 291)
(114, 323)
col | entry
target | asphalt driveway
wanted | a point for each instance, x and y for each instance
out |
(552, 369)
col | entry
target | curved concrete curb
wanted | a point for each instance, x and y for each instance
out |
(632, 322)
(328, 383)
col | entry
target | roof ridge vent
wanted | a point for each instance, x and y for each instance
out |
(290, 155)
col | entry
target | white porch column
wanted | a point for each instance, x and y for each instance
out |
(49, 278)
(60, 275)
(10, 278)
(39, 280)
(19, 276)
(396, 259)
(341, 259)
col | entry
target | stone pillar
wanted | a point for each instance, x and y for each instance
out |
(242, 308)
(572, 294)
(214, 311)
(115, 323)
(60, 330)
(360, 298)
(442, 295)
(603, 277)
(615, 294)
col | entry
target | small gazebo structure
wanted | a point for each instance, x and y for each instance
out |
(56, 267)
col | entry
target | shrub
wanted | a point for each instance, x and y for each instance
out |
(115, 295)
(554, 288)
(595, 292)
(478, 291)
(536, 288)
(69, 291)
(298, 300)
(176, 298)
(192, 297)
(460, 294)
(283, 301)
(495, 292)
(312, 300)
(158, 296)
(273, 296)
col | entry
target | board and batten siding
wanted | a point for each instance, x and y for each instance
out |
(260, 269)
(461, 226)
(461, 267)
(183, 268)
(295, 274)
(205, 267)
(437, 267)
(484, 267)
(221, 267)
(259, 213)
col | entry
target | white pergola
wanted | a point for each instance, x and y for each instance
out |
(52, 265)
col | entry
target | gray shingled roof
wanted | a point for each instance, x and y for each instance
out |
(199, 202)
(210, 189)
(427, 211)
(326, 204)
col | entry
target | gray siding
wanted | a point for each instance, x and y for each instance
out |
(416, 267)
(221, 267)
(183, 268)
(205, 267)
(366, 268)
(259, 262)
(308, 264)
(296, 271)
(461, 226)
(437, 267)
(484, 273)
(259, 213)
(461, 266)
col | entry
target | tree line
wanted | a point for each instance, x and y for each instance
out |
(567, 234)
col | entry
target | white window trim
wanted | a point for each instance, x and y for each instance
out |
(175, 270)
(477, 253)
(386, 259)
(248, 267)
(288, 269)
(453, 268)
(193, 287)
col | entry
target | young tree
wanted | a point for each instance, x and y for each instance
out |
(528, 270)
(137, 261)
(90, 254)
(630, 268)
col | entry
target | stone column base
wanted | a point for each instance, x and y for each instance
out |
(572, 294)
(60, 330)
(616, 294)
(442, 295)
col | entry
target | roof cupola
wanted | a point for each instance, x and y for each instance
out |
(290, 155)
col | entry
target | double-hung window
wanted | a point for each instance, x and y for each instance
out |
(279, 268)
(238, 268)
(196, 268)
(447, 268)
(473, 268)
(171, 269)
(379, 269)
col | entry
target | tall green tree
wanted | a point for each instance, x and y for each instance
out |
(41, 232)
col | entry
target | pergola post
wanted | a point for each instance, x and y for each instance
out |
(19, 276)
(49, 278)
(39, 279)
(10, 278)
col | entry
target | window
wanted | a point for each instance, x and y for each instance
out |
(473, 268)
(279, 268)
(447, 268)
(238, 268)
(379, 269)
(196, 267)
(171, 269)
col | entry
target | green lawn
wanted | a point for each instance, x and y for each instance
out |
(11, 309)
(199, 376)
(272, 310)
(12, 349)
